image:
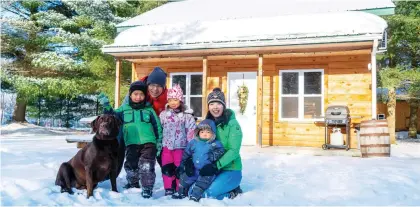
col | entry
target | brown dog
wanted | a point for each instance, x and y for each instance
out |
(94, 162)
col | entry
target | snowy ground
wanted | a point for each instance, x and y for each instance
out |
(30, 159)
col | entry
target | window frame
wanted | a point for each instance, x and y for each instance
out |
(301, 94)
(187, 93)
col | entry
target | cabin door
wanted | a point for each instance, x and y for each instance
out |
(247, 120)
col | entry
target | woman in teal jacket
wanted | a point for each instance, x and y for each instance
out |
(229, 167)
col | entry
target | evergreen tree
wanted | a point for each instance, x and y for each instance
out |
(402, 59)
(55, 48)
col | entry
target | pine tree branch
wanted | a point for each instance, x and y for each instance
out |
(17, 12)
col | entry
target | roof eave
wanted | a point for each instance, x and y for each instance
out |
(112, 49)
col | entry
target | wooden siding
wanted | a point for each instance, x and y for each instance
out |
(143, 69)
(347, 81)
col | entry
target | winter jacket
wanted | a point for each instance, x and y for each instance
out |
(231, 137)
(178, 128)
(139, 126)
(203, 152)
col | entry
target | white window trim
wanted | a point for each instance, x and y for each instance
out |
(301, 95)
(187, 95)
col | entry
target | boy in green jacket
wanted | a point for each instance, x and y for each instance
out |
(142, 134)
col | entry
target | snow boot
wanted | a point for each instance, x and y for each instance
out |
(235, 192)
(146, 193)
(194, 199)
(169, 192)
(178, 195)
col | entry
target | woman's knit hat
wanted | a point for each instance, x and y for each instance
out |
(216, 96)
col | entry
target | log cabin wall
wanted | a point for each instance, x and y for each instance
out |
(347, 81)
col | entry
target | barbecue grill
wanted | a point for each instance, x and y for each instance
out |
(337, 115)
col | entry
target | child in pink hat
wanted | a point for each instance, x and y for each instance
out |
(178, 126)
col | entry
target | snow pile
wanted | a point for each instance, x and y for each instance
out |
(29, 167)
(403, 135)
(184, 11)
(15, 130)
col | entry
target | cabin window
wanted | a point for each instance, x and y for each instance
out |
(191, 84)
(301, 94)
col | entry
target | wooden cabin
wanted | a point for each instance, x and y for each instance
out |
(294, 60)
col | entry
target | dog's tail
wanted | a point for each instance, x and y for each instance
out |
(65, 176)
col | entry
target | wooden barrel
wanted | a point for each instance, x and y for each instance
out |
(374, 139)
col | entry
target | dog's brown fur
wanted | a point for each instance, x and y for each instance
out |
(94, 162)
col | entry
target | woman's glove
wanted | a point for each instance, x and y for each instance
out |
(209, 170)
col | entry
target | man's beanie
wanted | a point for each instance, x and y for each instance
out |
(216, 96)
(157, 76)
(138, 85)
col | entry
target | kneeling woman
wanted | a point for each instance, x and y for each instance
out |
(229, 167)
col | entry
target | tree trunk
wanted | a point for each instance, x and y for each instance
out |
(391, 104)
(412, 127)
(61, 109)
(67, 125)
(97, 107)
(19, 111)
(3, 106)
(39, 111)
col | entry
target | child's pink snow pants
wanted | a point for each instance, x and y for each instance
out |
(171, 156)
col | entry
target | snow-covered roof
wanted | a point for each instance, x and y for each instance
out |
(248, 32)
(208, 10)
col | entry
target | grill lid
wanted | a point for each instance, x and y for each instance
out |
(337, 112)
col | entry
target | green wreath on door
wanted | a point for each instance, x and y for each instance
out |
(243, 97)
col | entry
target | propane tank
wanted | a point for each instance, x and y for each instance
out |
(336, 138)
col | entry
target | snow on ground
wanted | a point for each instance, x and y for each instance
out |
(29, 167)
(404, 135)
(16, 130)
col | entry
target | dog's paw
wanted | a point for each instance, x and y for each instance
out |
(65, 190)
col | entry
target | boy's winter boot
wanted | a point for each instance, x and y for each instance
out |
(196, 199)
(147, 193)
